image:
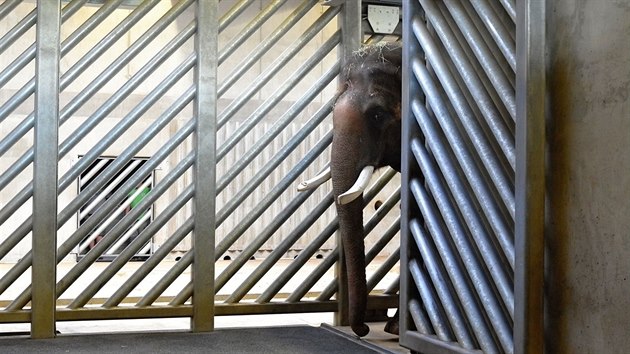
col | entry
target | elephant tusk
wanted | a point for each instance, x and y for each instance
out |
(315, 181)
(359, 186)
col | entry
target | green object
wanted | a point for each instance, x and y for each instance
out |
(139, 197)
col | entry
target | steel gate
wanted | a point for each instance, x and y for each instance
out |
(473, 182)
(225, 103)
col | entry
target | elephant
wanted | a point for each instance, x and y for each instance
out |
(366, 136)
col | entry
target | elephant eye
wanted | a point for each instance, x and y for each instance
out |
(377, 114)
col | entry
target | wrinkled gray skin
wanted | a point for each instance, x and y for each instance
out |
(366, 131)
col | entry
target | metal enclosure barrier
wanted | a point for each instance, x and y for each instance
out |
(472, 181)
(226, 104)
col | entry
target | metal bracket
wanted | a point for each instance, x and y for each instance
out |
(383, 19)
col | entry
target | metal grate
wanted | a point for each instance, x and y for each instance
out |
(459, 179)
(233, 115)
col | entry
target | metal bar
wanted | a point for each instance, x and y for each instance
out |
(382, 270)
(255, 213)
(204, 171)
(443, 287)
(63, 250)
(265, 45)
(280, 124)
(456, 268)
(257, 242)
(497, 30)
(249, 29)
(510, 8)
(279, 94)
(25, 92)
(74, 273)
(487, 37)
(430, 302)
(412, 315)
(350, 23)
(150, 264)
(94, 86)
(18, 30)
(462, 241)
(112, 216)
(29, 54)
(490, 65)
(323, 236)
(124, 256)
(493, 118)
(44, 241)
(379, 215)
(281, 249)
(95, 152)
(470, 212)
(493, 166)
(530, 177)
(280, 62)
(7, 7)
(233, 13)
(110, 187)
(419, 317)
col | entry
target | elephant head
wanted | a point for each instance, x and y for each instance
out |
(366, 136)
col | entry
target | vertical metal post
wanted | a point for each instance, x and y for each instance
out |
(411, 49)
(530, 177)
(351, 38)
(205, 107)
(44, 275)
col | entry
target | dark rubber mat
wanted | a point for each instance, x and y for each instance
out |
(299, 339)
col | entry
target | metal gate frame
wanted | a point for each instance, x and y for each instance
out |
(45, 311)
(418, 319)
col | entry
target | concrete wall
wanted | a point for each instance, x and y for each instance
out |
(588, 235)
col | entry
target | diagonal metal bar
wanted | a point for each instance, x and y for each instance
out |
(430, 302)
(443, 287)
(497, 30)
(233, 13)
(265, 45)
(18, 30)
(493, 118)
(8, 6)
(280, 124)
(260, 240)
(459, 269)
(280, 62)
(150, 264)
(281, 249)
(249, 29)
(28, 55)
(109, 139)
(280, 93)
(19, 97)
(21, 266)
(490, 65)
(315, 244)
(374, 220)
(111, 236)
(260, 208)
(501, 181)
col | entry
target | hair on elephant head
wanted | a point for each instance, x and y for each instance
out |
(366, 136)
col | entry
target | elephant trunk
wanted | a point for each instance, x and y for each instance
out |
(346, 166)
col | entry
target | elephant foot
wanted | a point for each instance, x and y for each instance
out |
(392, 326)
(360, 330)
